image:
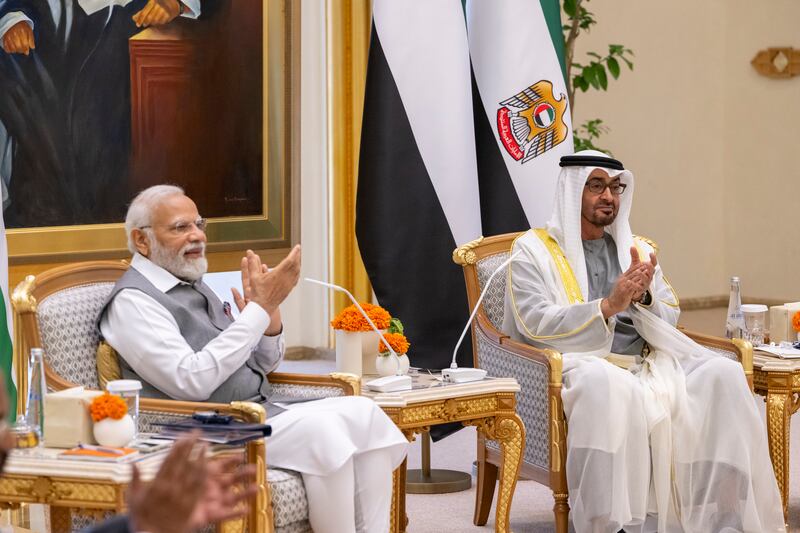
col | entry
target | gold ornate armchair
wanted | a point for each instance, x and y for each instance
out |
(539, 374)
(57, 311)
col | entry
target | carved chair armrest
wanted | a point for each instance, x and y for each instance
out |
(348, 384)
(550, 358)
(738, 349)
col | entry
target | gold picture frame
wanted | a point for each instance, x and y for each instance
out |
(272, 232)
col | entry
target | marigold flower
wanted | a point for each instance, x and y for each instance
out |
(796, 321)
(350, 319)
(108, 406)
(397, 341)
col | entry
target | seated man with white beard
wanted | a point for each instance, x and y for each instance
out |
(176, 337)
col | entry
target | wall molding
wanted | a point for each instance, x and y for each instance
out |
(711, 302)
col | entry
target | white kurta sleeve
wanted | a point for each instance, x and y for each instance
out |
(147, 336)
(578, 327)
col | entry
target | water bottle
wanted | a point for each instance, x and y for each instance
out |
(735, 321)
(34, 408)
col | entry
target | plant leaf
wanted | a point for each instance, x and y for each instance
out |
(602, 78)
(613, 67)
(395, 326)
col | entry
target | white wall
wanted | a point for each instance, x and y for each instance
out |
(305, 312)
(710, 141)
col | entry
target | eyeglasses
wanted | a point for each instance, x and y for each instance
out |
(182, 228)
(598, 186)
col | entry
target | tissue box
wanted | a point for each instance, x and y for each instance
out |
(780, 322)
(66, 418)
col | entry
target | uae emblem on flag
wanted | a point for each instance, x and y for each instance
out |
(532, 121)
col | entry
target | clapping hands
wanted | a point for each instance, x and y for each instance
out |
(631, 284)
(264, 286)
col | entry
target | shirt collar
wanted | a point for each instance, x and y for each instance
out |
(93, 6)
(162, 279)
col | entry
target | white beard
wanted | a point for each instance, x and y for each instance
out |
(177, 264)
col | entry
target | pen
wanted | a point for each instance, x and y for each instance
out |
(101, 449)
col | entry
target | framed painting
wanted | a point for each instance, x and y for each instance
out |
(103, 108)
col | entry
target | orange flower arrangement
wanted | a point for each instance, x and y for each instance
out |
(796, 321)
(108, 406)
(350, 319)
(397, 341)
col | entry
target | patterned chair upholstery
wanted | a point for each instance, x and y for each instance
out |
(539, 374)
(57, 310)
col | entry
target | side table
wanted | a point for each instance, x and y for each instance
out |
(489, 405)
(779, 380)
(38, 476)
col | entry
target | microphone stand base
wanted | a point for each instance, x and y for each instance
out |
(437, 481)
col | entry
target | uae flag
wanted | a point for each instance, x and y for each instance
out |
(522, 118)
(418, 184)
(464, 123)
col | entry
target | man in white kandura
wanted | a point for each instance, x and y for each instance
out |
(176, 337)
(676, 444)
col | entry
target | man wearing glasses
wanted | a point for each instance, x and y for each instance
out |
(673, 444)
(175, 336)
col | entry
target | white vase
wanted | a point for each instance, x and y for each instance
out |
(356, 351)
(386, 365)
(116, 433)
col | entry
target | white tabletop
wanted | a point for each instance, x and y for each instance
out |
(772, 363)
(429, 388)
(45, 462)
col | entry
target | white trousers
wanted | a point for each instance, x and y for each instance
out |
(355, 498)
(346, 449)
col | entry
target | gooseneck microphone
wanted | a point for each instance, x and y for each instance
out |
(454, 374)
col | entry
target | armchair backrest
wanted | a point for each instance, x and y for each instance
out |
(480, 258)
(57, 310)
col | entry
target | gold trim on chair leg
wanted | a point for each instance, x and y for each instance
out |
(261, 517)
(558, 443)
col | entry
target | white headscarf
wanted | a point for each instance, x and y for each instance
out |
(565, 222)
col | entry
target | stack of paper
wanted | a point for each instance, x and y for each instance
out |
(784, 352)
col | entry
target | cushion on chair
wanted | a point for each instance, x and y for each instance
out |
(494, 301)
(289, 503)
(67, 325)
(531, 398)
(307, 392)
(730, 354)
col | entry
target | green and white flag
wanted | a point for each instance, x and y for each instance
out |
(6, 354)
(517, 53)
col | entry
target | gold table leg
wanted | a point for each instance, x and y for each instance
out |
(509, 431)
(397, 518)
(778, 418)
(60, 519)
